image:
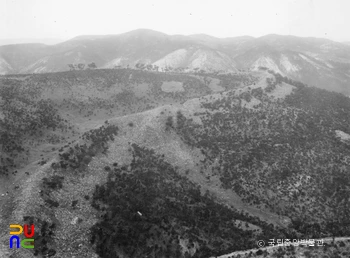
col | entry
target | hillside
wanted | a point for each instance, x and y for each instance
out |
(130, 163)
(60, 106)
(317, 62)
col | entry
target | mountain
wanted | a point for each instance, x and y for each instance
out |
(131, 163)
(319, 62)
(46, 41)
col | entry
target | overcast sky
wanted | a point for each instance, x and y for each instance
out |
(65, 19)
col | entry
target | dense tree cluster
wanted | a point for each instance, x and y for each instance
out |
(96, 141)
(231, 81)
(148, 209)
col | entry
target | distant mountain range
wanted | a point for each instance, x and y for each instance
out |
(47, 41)
(319, 62)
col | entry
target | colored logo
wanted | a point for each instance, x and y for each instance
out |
(28, 242)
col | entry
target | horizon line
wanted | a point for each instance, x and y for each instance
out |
(152, 30)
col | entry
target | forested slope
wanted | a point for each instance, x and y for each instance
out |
(265, 157)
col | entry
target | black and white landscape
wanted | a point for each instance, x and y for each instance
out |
(319, 62)
(152, 144)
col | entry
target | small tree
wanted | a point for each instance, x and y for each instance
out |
(92, 65)
(81, 66)
(180, 119)
(169, 123)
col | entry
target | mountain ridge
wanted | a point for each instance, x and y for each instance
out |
(315, 61)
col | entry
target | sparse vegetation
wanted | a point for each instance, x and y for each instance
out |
(24, 115)
(281, 150)
(278, 155)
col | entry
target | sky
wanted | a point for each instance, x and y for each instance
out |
(65, 19)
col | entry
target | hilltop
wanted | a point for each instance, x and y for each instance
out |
(132, 163)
